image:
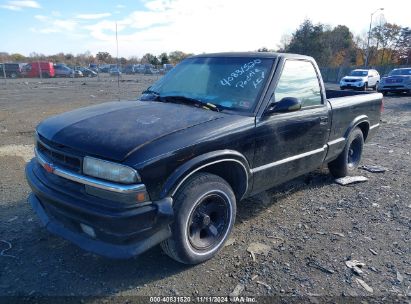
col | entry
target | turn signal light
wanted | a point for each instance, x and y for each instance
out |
(141, 197)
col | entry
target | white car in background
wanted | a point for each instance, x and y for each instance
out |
(361, 80)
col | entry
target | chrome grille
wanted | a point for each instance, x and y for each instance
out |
(58, 157)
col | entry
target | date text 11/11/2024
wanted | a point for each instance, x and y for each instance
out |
(203, 299)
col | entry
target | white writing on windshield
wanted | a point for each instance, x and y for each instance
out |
(243, 74)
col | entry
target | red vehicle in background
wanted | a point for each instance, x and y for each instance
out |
(42, 69)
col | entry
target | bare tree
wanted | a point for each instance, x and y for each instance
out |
(387, 36)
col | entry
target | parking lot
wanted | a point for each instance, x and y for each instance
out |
(311, 226)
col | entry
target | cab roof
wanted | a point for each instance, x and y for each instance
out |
(253, 55)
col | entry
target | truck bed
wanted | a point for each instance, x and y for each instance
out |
(339, 93)
(347, 105)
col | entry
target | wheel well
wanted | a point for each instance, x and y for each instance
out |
(233, 173)
(364, 127)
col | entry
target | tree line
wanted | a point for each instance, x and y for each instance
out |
(100, 58)
(389, 44)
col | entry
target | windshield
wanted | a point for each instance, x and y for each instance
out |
(359, 73)
(227, 82)
(400, 72)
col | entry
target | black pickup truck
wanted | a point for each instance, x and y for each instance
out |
(120, 177)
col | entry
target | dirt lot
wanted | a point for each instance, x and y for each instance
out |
(311, 226)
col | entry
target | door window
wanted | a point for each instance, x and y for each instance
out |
(299, 79)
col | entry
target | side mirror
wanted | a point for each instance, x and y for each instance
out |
(287, 104)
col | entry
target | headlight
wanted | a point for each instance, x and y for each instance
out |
(110, 171)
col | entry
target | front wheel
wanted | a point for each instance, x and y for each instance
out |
(364, 87)
(350, 157)
(204, 208)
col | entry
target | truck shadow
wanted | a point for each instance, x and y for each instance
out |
(46, 265)
(250, 207)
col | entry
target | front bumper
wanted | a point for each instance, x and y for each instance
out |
(399, 87)
(65, 209)
(351, 85)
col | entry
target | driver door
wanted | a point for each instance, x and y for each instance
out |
(292, 143)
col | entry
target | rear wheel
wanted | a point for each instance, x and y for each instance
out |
(13, 75)
(350, 157)
(204, 208)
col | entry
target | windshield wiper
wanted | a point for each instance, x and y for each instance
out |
(148, 95)
(148, 91)
(191, 101)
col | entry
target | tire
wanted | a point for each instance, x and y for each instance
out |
(342, 88)
(350, 157)
(376, 86)
(205, 209)
(13, 75)
(385, 93)
(364, 87)
(45, 75)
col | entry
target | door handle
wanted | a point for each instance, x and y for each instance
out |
(323, 120)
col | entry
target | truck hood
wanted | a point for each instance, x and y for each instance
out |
(114, 130)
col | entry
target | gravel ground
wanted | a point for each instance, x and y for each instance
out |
(301, 233)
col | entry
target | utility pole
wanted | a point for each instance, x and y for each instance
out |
(4, 71)
(118, 68)
(3, 67)
(369, 35)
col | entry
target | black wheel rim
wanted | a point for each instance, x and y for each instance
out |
(354, 153)
(209, 222)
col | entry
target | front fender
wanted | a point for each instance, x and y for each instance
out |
(177, 178)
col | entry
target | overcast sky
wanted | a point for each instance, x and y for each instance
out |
(195, 26)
